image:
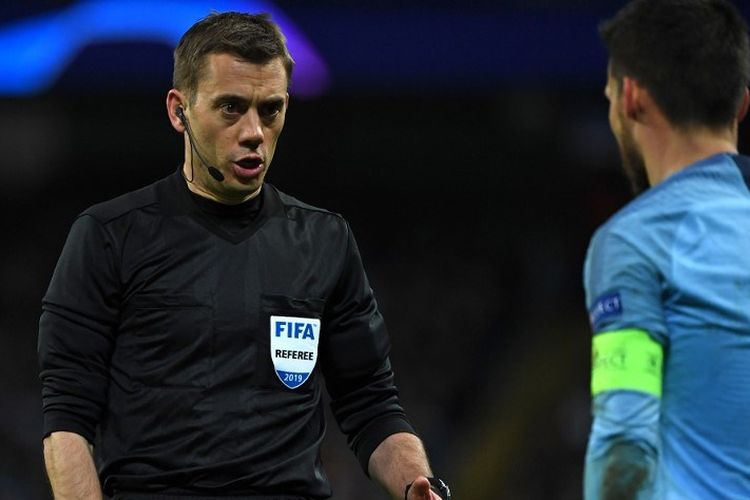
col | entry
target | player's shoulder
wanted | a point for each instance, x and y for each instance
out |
(639, 231)
(124, 204)
(661, 205)
(652, 219)
(629, 221)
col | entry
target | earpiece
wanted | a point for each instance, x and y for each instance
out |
(213, 171)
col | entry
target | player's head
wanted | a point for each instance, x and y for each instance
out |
(691, 55)
(692, 59)
(251, 37)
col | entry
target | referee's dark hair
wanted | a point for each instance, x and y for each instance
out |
(691, 55)
(251, 37)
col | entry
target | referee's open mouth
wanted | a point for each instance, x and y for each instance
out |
(248, 167)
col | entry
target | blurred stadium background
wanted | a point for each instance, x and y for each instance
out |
(466, 142)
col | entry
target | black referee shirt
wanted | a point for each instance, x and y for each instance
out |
(155, 343)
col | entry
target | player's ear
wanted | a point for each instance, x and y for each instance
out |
(633, 97)
(743, 107)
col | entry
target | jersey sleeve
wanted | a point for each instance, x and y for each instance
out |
(76, 331)
(623, 287)
(623, 295)
(359, 378)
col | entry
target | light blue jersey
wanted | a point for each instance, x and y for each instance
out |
(675, 263)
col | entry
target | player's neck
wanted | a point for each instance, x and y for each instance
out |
(672, 150)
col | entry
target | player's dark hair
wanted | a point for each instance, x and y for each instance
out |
(251, 37)
(691, 55)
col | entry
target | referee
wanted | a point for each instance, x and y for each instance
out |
(668, 277)
(189, 325)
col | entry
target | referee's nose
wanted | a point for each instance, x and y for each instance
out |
(251, 129)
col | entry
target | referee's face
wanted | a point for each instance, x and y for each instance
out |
(236, 119)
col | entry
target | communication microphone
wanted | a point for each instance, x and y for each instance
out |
(212, 171)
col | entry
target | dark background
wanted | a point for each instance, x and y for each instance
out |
(466, 142)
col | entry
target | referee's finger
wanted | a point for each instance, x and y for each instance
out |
(420, 490)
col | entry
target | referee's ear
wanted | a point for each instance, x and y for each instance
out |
(175, 100)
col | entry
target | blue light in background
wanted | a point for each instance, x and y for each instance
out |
(35, 52)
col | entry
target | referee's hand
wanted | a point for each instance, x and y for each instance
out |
(420, 490)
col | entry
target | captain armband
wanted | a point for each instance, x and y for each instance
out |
(626, 360)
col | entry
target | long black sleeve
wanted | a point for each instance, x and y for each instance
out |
(76, 331)
(364, 398)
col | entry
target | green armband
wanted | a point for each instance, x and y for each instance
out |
(626, 359)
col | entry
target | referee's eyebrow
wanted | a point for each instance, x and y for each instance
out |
(230, 98)
(244, 101)
(273, 101)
